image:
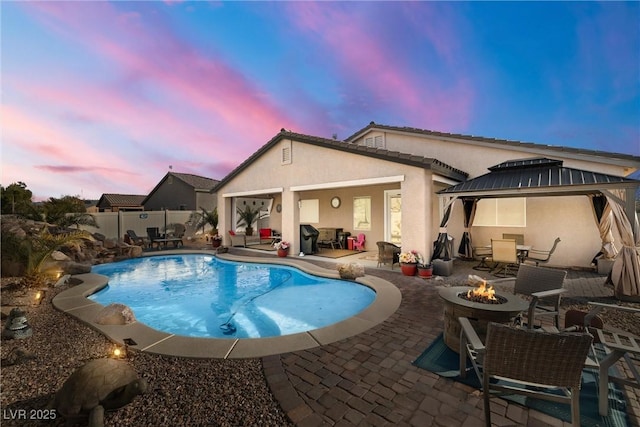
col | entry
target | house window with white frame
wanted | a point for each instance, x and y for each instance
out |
(376, 141)
(507, 212)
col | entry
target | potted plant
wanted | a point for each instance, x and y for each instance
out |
(216, 241)
(205, 218)
(247, 217)
(282, 247)
(409, 263)
(425, 270)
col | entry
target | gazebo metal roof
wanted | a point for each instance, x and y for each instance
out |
(537, 176)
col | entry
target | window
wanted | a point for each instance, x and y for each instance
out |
(509, 212)
(374, 141)
(362, 213)
(309, 211)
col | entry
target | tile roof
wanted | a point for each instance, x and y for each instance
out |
(196, 181)
(378, 153)
(120, 200)
(561, 150)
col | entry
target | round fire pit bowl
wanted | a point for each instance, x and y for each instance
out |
(478, 313)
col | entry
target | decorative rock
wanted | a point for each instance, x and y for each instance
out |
(99, 385)
(351, 270)
(17, 355)
(59, 256)
(115, 314)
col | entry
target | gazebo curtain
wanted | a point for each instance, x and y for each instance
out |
(465, 250)
(604, 218)
(442, 247)
(626, 268)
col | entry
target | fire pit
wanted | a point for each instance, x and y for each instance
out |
(460, 301)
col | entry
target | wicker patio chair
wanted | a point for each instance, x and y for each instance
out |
(522, 361)
(388, 253)
(543, 287)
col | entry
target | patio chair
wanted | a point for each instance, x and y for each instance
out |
(618, 345)
(519, 238)
(238, 239)
(543, 287)
(135, 239)
(179, 230)
(153, 233)
(484, 253)
(538, 256)
(504, 251)
(388, 253)
(358, 244)
(521, 361)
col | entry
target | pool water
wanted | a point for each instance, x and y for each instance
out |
(198, 295)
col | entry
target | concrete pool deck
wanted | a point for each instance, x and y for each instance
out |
(75, 303)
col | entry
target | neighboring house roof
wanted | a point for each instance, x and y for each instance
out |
(120, 200)
(537, 175)
(198, 183)
(378, 153)
(615, 158)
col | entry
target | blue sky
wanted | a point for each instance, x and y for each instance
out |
(101, 97)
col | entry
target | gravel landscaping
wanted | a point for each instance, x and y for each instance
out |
(181, 391)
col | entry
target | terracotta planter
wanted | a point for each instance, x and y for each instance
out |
(283, 252)
(216, 243)
(425, 272)
(408, 269)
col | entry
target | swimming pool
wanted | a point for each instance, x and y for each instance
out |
(199, 295)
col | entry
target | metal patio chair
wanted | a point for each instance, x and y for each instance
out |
(522, 361)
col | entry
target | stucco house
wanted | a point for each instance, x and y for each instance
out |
(392, 182)
(110, 202)
(181, 191)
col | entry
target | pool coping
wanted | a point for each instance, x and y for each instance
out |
(74, 302)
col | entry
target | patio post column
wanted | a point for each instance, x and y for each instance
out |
(291, 220)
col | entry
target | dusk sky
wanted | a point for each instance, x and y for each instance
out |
(103, 97)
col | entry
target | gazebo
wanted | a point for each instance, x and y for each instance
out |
(613, 201)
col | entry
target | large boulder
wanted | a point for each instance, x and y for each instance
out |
(115, 314)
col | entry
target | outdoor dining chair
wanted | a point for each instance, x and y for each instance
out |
(522, 361)
(505, 254)
(538, 256)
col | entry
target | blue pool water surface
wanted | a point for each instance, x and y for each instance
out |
(198, 295)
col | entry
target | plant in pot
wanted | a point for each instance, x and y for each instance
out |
(409, 262)
(425, 270)
(216, 241)
(282, 247)
(204, 218)
(247, 217)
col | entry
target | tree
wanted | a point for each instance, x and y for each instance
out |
(16, 200)
(67, 211)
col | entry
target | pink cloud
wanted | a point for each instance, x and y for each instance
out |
(371, 67)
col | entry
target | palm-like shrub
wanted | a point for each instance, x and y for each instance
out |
(247, 217)
(204, 218)
(39, 247)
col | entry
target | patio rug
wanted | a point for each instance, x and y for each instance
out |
(335, 253)
(440, 359)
